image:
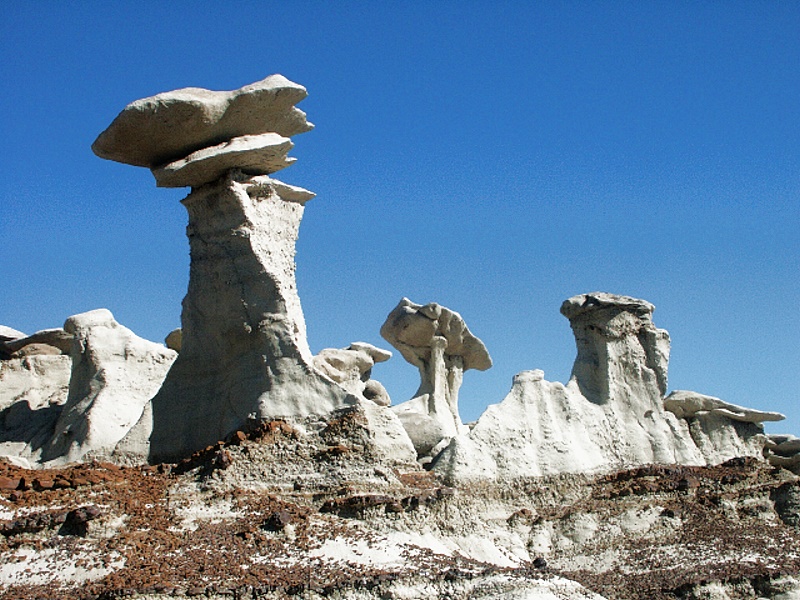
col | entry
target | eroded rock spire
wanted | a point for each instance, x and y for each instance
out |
(436, 340)
(244, 355)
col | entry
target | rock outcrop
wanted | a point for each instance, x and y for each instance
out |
(611, 413)
(47, 341)
(351, 368)
(622, 356)
(244, 353)
(783, 450)
(244, 357)
(256, 154)
(33, 390)
(436, 340)
(65, 393)
(114, 374)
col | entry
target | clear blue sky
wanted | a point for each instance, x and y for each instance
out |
(495, 157)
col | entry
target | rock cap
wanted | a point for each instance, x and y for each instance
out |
(412, 328)
(161, 129)
(584, 303)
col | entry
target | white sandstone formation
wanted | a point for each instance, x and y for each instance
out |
(436, 340)
(244, 353)
(720, 429)
(114, 373)
(33, 390)
(352, 369)
(161, 129)
(244, 356)
(685, 404)
(609, 416)
(68, 392)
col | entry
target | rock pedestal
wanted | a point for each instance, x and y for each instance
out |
(436, 340)
(618, 347)
(244, 354)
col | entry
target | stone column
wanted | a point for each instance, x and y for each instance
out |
(244, 354)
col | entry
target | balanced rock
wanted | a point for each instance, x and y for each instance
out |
(161, 129)
(252, 154)
(114, 374)
(173, 340)
(436, 340)
(47, 341)
(719, 429)
(352, 368)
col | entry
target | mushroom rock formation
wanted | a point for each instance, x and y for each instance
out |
(352, 368)
(114, 374)
(618, 347)
(436, 340)
(610, 415)
(244, 356)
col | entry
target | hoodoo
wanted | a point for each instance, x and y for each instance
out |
(244, 354)
(436, 340)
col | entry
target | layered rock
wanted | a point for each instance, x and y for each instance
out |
(244, 357)
(436, 340)
(46, 341)
(161, 129)
(783, 450)
(609, 415)
(254, 154)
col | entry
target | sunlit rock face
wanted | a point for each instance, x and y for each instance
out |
(114, 374)
(244, 353)
(161, 129)
(611, 414)
(436, 340)
(244, 356)
(619, 348)
(72, 393)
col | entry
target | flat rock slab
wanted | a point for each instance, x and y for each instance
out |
(161, 129)
(686, 404)
(252, 154)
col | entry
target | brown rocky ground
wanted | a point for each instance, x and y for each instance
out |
(247, 519)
